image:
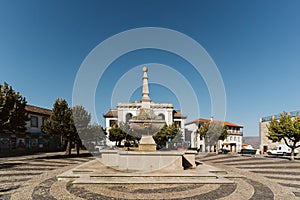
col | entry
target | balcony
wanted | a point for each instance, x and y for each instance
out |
(235, 132)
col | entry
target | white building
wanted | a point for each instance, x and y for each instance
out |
(233, 142)
(125, 111)
(265, 143)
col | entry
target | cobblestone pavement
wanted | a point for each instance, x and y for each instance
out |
(20, 173)
(270, 177)
(264, 178)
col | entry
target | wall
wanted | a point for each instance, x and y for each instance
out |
(264, 141)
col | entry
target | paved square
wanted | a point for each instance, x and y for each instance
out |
(34, 177)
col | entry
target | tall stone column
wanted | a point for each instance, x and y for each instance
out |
(145, 93)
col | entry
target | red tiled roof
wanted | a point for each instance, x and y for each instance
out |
(177, 114)
(231, 124)
(201, 120)
(38, 110)
(111, 113)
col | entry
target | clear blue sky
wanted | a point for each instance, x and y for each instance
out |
(255, 45)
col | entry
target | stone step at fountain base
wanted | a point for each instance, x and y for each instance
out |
(94, 172)
(202, 179)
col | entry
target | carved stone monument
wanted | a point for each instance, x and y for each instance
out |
(146, 123)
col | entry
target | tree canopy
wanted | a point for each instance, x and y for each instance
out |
(286, 129)
(60, 119)
(13, 115)
(116, 134)
(74, 125)
(166, 133)
(95, 133)
(212, 132)
(122, 131)
(80, 119)
(61, 123)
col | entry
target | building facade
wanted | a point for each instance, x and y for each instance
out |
(233, 142)
(33, 139)
(125, 111)
(265, 143)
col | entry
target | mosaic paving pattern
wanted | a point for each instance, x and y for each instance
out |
(14, 174)
(17, 176)
(281, 171)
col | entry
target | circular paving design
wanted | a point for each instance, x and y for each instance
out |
(263, 178)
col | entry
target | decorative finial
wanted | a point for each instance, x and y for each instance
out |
(145, 69)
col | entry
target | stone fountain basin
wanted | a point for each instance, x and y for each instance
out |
(139, 161)
(146, 127)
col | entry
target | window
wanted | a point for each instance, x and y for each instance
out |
(162, 116)
(178, 123)
(34, 121)
(128, 117)
(112, 122)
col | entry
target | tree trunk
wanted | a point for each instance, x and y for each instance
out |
(77, 148)
(69, 147)
(292, 147)
(217, 147)
(292, 155)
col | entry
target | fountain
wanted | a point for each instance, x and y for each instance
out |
(145, 165)
(146, 123)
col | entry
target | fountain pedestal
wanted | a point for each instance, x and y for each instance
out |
(147, 143)
(143, 161)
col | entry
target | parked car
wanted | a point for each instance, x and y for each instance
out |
(282, 150)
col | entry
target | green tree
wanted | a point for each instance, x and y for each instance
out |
(116, 134)
(212, 132)
(122, 131)
(80, 119)
(130, 135)
(286, 129)
(61, 123)
(13, 115)
(166, 133)
(178, 138)
(96, 133)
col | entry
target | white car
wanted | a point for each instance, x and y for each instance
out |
(282, 150)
